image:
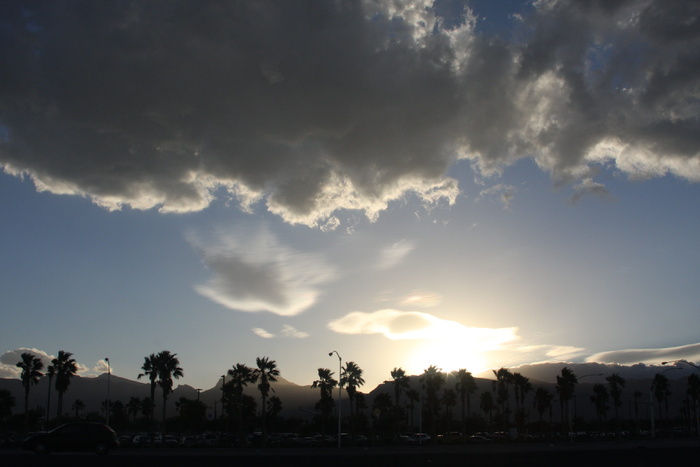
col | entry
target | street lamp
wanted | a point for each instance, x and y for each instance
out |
(109, 402)
(340, 391)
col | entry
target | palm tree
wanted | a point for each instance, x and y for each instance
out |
(167, 368)
(133, 407)
(413, 397)
(7, 402)
(616, 383)
(65, 367)
(325, 383)
(401, 384)
(466, 386)
(352, 379)
(503, 380)
(432, 380)
(77, 406)
(543, 402)
(486, 404)
(31, 366)
(241, 375)
(661, 389)
(521, 386)
(50, 372)
(150, 370)
(600, 398)
(265, 373)
(566, 384)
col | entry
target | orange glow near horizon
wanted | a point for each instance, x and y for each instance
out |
(447, 355)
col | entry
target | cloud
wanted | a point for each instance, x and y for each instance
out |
(588, 186)
(286, 331)
(9, 359)
(251, 271)
(309, 109)
(649, 356)
(393, 255)
(399, 325)
(421, 298)
(503, 192)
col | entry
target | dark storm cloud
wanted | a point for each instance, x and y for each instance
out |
(316, 106)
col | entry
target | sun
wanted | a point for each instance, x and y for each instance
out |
(447, 355)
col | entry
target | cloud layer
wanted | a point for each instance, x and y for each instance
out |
(310, 108)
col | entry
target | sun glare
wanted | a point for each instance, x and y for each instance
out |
(446, 355)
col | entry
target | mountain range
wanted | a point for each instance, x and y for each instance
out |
(299, 401)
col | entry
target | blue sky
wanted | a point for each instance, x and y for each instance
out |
(459, 185)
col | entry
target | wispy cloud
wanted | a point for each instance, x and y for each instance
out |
(252, 271)
(394, 254)
(399, 325)
(286, 331)
(648, 356)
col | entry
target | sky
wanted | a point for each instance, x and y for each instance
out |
(465, 184)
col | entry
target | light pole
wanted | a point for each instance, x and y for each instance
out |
(697, 418)
(340, 391)
(109, 402)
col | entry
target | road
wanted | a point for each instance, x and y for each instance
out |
(625, 454)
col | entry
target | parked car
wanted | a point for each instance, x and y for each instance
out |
(79, 436)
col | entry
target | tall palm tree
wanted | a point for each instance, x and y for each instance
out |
(566, 385)
(600, 398)
(466, 386)
(661, 389)
(486, 404)
(31, 366)
(521, 386)
(616, 383)
(325, 383)
(167, 368)
(432, 380)
(241, 375)
(265, 373)
(150, 370)
(413, 397)
(401, 384)
(504, 378)
(65, 367)
(352, 379)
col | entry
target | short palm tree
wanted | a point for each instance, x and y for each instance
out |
(543, 402)
(616, 384)
(31, 366)
(265, 373)
(65, 368)
(50, 372)
(566, 385)
(167, 368)
(401, 384)
(77, 407)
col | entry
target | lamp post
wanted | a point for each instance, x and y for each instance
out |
(697, 418)
(340, 391)
(109, 402)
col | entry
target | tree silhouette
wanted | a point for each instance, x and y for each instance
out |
(566, 384)
(521, 386)
(600, 399)
(401, 384)
(31, 366)
(65, 368)
(616, 383)
(466, 386)
(167, 368)
(50, 372)
(149, 369)
(661, 389)
(77, 407)
(325, 383)
(241, 375)
(133, 407)
(504, 378)
(486, 404)
(265, 373)
(432, 380)
(543, 402)
(352, 379)
(7, 402)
